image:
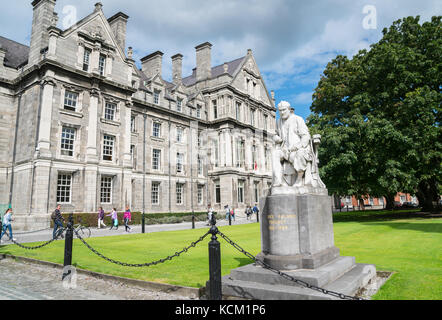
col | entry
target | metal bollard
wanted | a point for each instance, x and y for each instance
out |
(215, 290)
(193, 220)
(230, 219)
(257, 216)
(143, 223)
(68, 243)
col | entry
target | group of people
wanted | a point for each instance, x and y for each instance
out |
(230, 212)
(127, 217)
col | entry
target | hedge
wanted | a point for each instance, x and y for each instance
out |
(91, 219)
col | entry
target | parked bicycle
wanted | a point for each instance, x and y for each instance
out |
(81, 230)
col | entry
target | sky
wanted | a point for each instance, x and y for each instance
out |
(292, 41)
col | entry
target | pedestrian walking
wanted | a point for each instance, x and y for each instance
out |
(101, 217)
(114, 217)
(256, 209)
(248, 212)
(226, 207)
(127, 218)
(209, 214)
(58, 221)
(232, 212)
(6, 225)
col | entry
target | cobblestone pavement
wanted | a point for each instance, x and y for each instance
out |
(29, 281)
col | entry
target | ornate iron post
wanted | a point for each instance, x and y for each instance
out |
(68, 243)
(193, 220)
(214, 264)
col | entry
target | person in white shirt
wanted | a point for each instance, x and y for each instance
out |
(7, 224)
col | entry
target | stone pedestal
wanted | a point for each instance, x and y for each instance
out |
(297, 238)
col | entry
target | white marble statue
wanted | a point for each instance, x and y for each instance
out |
(295, 162)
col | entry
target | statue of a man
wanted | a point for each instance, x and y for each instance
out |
(294, 157)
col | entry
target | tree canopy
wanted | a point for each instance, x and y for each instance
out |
(379, 115)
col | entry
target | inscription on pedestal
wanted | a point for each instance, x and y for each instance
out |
(280, 222)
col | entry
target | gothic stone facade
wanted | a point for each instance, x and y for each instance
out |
(81, 125)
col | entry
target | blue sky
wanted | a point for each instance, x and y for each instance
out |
(292, 41)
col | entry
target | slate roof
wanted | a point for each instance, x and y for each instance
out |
(16, 53)
(216, 71)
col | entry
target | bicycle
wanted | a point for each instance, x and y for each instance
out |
(82, 231)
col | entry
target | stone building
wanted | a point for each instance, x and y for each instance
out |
(81, 125)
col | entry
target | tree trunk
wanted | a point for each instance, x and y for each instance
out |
(390, 201)
(427, 194)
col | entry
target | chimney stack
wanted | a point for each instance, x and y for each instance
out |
(203, 61)
(118, 24)
(177, 68)
(152, 64)
(43, 18)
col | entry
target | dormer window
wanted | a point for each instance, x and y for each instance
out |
(179, 105)
(102, 64)
(86, 59)
(156, 97)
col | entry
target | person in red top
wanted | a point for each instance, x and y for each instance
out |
(127, 217)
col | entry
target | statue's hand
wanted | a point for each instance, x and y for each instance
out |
(277, 139)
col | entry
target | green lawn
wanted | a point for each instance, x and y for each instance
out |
(408, 245)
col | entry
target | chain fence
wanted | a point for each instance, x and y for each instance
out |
(148, 264)
(59, 232)
(285, 275)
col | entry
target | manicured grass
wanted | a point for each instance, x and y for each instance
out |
(404, 243)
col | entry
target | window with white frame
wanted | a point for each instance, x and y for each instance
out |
(106, 189)
(179, 134)
(179, 105)
(179, 193)
(198, 111)
(70, 100)
(133, 124)
(110, 110)
(238, 111)
(156, 159)
(217, 192)
(179, 162)
(155, 193)
(156, 129)
(67, 141)
(200, 194)
(102, 64)
(132, 155)
(86, 59)
(156, 96)
(108, 147)
(240, 152)
(241, 191)
(215, 109)
(64, 187)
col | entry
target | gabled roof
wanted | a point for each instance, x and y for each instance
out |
(16, 53)
(216, 71)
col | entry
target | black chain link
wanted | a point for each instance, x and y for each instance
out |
(285, 275)
(193, 244)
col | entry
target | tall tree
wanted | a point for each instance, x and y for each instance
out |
(379, 114)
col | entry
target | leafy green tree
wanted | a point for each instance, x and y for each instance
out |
(379, 115)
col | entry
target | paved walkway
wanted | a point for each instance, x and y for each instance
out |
(45, 235)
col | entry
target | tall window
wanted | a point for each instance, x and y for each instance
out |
(132, 155)
(256, 192)
(86, 59)
(254, 162)
(266, 158)
(64, 186)
(106, 189)
(217, 192)
(200, 194)
(132, 124)
(238, 111)
(109, 111)
(215, 109)
(179, 105)
(102, 64)
(155, 193)
(70, 100)
(200, 165)
(179, 162)
(179, 134)
(156, 159)
(67, 141)
(240, 191)
(240, 152)
(198, 111)
(179, 193)
(156, 97)
(252, 117)
(266, 118)
(108, 147)
(156, 129)
(216, 147)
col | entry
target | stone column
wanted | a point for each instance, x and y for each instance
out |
(91, 153)
(90, 188)
(44, 132)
